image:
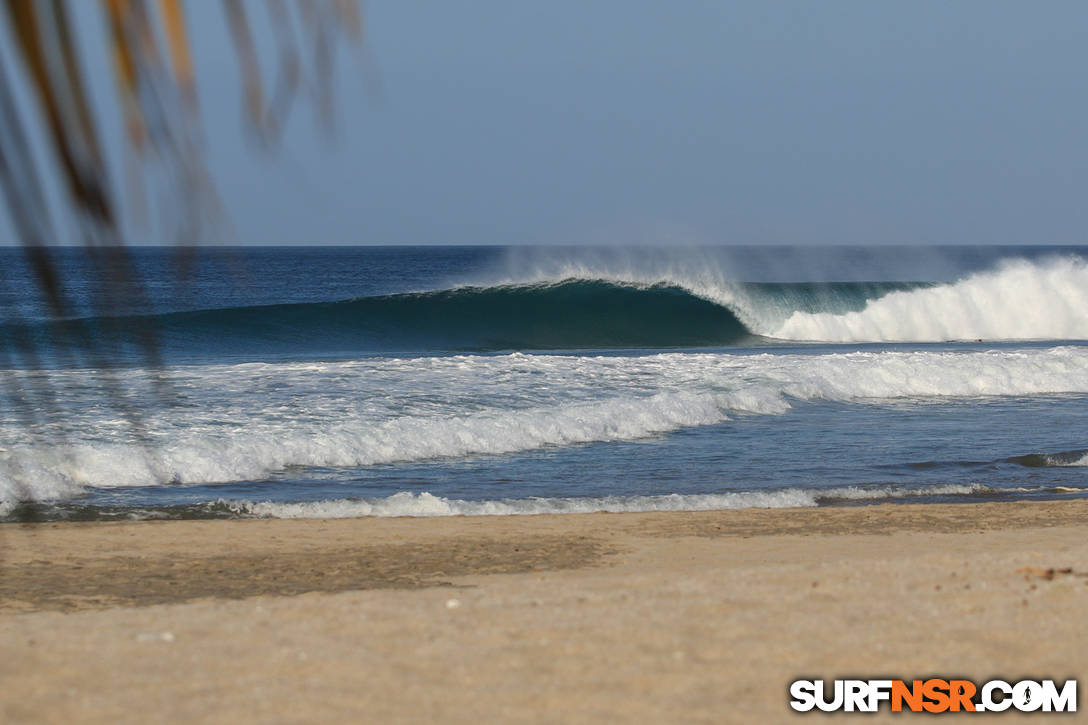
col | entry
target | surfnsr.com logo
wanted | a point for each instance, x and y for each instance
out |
(933, 695)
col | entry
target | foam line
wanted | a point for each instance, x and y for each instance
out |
(427, 505)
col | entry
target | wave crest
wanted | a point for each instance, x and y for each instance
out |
(592, 309)
(564, 314)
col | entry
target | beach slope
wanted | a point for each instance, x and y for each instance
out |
(656, 617)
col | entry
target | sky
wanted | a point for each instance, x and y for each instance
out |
(642, 122)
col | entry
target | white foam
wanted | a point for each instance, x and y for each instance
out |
(1019, 301)
(427, 505)
(1060, 462)
(246, 422)
(56, 471)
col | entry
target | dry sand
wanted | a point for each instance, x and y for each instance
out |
(659, 617)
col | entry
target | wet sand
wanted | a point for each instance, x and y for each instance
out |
(657, 617)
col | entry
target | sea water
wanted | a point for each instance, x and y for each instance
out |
(321, 381)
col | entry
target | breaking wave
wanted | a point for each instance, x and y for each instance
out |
(536, 401)
(1020, 300)
(1065, 459)
(596, 309)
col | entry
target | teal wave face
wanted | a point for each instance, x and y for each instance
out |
(572, 314)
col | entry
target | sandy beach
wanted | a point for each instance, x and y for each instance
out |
(656, 617)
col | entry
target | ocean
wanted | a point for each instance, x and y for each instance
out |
(431, 381)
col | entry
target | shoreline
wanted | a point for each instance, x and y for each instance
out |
(669, 616)
(69, 566)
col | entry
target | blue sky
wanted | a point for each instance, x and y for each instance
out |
(609, 121)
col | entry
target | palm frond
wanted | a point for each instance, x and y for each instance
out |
(156, 81)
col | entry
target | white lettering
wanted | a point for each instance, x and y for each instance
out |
(836, 702)
(856, 696)
(879, 691)
(1064, 701)
(988, 702)
(1027, 696)
(803, 693)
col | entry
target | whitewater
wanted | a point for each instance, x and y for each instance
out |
(1017, 300)
(495, 382)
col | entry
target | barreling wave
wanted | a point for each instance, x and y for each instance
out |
(567, 314)
(1020, 300)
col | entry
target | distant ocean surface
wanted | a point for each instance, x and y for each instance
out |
(391, 381)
